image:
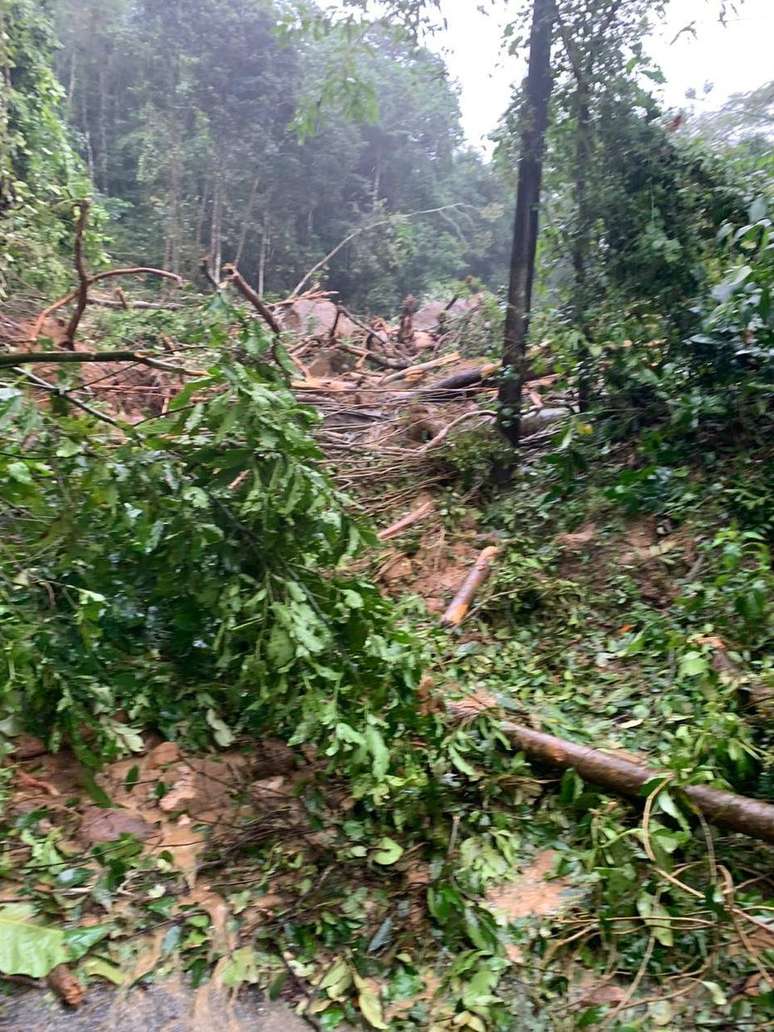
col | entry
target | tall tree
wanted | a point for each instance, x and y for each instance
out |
(534, 123)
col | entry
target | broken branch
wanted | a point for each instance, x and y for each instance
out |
(726, 809)
(96, 278)
(17, 358)
(441, 436)
(423, 367)
(406, 521)
(234, 276)
(461, 381)
(461, 602)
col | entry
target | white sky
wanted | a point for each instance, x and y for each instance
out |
(736, 59)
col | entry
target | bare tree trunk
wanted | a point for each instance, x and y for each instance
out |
(216, 244)
(376, 184)
(262, 256)
(71, 84)
(534, 121)
(202, 217)
(580, 245)
(174, 228)
(246, 221)
(102, 126)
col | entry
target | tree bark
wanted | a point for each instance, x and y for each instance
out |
(462, 601)
(525, 232)
(726, 809)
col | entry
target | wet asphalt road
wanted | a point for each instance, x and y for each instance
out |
(158, 1008)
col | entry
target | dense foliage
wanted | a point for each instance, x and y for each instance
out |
(39, 170)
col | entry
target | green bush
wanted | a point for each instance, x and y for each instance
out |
(190, 575)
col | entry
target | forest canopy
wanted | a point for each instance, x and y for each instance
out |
(187, 116)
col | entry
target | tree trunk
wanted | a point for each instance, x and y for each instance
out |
(216, 246)
(534, 120)
(580, 244)
(205, 200)
(246, 222)
(102, 156)
(262, 257)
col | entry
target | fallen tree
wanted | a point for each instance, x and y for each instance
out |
(726, 809)
(460, 382)
(462, 601)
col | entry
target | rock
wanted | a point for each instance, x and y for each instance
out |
(200, 785)
(98, 825)
(167, 752)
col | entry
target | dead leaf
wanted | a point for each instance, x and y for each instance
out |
(66, 986)
(182, 793)
(26, 747)
(185, 844)
(475, 703)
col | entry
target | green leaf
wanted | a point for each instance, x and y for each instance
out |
(80, 940)
(379, 751)
(97, 793)
(241, 967)
(719, 998)
(28, 948)
(591, 1016)
(68, 448)
(693, 664)
(388, 852)
(280, 650)
(19, 471)
(98, 968)
(224, 736)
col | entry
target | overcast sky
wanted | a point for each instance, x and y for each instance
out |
(736, 59)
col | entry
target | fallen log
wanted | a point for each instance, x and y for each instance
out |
(406, 521)
(459, 383)
(460, 605)
(423, 367)
(726, 809)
